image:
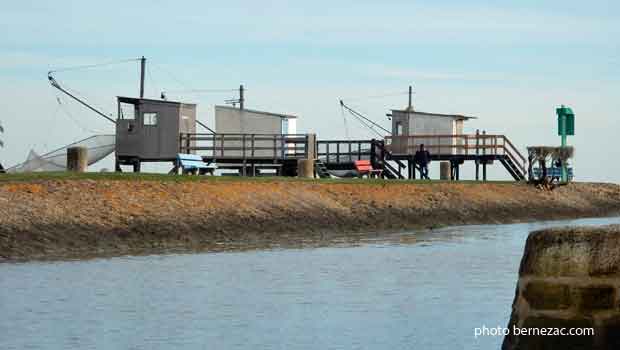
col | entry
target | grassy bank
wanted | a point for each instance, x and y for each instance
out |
(61, 215)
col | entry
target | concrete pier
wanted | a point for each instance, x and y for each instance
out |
(77, 159)
(305, 168)
(444, 170)
(569, 279)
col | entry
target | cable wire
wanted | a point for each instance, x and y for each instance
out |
(346, 127)
(178, 81)
(75, 120)
(86, 97)
(66, 69)
(205, 90)
(359, 98)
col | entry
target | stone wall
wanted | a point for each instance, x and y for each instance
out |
(568, 278)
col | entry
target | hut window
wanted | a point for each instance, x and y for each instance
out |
(150, 119)
(127, 111)
(399, 128)
(284, 126)
(186, 123)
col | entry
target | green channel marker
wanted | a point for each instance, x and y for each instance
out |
(566, 127)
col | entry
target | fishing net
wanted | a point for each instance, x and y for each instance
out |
(98, 146)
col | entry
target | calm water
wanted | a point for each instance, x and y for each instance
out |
(424, 290)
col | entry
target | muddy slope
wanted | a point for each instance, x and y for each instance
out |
(83, 218)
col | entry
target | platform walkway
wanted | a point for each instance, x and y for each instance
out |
(251, 153)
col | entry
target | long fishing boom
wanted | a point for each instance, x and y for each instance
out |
(55, 84)
(204, 126)
(363, 118)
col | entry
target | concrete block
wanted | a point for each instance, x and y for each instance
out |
(543, 295)
(570, 278)
(593, 298)
(572, 252)
(77, 159)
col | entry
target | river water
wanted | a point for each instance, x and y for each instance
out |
(422, 290)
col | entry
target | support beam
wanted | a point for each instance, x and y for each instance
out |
(136, 166)
(452, 170)
(484, 152)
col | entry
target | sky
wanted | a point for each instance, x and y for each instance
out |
(509, 63)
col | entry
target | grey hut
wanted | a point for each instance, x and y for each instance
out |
(149, 130)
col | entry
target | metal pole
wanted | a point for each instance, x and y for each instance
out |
(410, 92)
(142, 69)
(563, 133)
(241, 97)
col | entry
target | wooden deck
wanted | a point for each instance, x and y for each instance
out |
(483, 149)
(394, 154)
(249, 153)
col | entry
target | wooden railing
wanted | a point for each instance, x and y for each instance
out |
(246, 146)
(455, 145)
(344, 151)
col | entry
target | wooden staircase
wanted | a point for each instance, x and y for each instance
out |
(389, 171)
(512, 168)
(321, 169)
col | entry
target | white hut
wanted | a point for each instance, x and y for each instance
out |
(410, 128)
(231, 120)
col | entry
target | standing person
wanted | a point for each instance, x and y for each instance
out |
(556, 169)
(422, 158)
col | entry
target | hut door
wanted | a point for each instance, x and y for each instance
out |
(150, 127)
(398, 142)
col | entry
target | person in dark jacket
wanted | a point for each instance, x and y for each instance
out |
(556, 164)
(422, 158)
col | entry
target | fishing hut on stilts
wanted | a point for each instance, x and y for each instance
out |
(442, 135)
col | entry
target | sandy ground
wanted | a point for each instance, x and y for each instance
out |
(64, 219)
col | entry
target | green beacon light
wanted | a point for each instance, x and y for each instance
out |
(566, 127)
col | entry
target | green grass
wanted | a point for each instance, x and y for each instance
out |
(45, 176)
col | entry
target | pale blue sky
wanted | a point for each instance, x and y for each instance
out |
(508, 63)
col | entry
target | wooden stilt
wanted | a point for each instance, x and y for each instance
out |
(136, 166)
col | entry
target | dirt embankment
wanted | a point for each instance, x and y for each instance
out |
(83, 218)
